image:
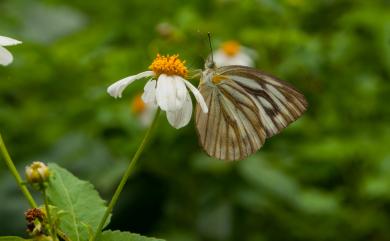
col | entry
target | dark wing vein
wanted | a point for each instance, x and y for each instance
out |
(232, 129)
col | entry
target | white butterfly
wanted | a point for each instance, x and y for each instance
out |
(246, 106)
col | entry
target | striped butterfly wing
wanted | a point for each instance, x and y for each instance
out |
(231, 130)
(245, 107)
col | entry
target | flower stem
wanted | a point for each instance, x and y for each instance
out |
(52, 228)
(126, 175)
(14, 171)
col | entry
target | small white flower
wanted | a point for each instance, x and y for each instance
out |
(5, 56)
(232, 53)
(165, 29)
(166, 88)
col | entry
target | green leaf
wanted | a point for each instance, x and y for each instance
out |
(83, 208)
(12, 238)
(124, 236)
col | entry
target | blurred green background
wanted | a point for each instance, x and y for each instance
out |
(326, 177)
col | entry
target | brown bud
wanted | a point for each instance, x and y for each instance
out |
(33, 213)
(35, 218)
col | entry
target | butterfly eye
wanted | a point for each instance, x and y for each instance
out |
(209, 64)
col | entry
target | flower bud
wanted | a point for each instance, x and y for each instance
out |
(36, 221)
(37, 172)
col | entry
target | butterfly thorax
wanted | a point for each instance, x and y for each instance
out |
(211, 77)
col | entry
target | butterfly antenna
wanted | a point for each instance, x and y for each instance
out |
(211, 47)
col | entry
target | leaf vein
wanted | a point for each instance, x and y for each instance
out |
(73, 214)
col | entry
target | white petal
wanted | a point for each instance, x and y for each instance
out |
(198, 96)
(116, 89)
(220, 58)
(5, 41)
(242, 59)
(181, 90)
(5, 56)
(163, 91)
(170, 92)
(250, 52)
(182, 117)
(149, 95)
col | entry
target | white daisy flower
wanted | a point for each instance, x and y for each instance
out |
(166, 88)
(143, 111)
(5, 56)
(232, 53)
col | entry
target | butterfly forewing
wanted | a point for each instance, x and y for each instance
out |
(245, 107)
(278, 102)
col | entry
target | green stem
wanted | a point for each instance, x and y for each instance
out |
(126, 175)
(14, 172)
(52, 228)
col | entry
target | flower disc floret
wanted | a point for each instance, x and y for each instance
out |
(231, 48)
(169, 65)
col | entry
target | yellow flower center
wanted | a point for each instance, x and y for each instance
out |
(169, 65)
(138, 106)
(230, 48)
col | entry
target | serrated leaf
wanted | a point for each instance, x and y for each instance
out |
(83, 208)
(13, 238)
(124, 236)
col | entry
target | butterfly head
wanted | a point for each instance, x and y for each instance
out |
(209, 64)
(210, 76)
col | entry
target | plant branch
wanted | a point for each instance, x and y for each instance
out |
(14, 171)
(52, 228)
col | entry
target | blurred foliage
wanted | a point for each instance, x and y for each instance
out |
(326, 177)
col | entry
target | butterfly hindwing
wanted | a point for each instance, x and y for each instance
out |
(245, 107)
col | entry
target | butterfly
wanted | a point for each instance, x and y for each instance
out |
(246, 106)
